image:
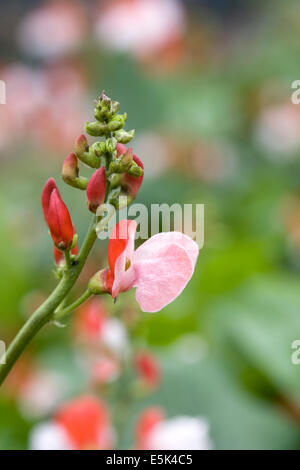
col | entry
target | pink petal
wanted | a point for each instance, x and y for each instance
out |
(162, 272)
(179, 238)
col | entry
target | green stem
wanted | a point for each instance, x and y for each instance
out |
(44, 313)
(68, 259)
(63, 313)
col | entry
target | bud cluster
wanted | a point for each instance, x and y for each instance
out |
(118, 176)
(120, 172)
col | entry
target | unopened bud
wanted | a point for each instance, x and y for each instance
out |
(50, 185)
(121, 149)
(135, 170)
(115, 106)
(113, 167)
(117, 122)
(124, 137)
(122, 164)
(81, 145)
(97, 129)
(119, 199)
(95, 191)
(111, 144)
(115, 181)
(131, 184)
(70, 172)
(126, 161)
(59, 222)
(70, 168)
(105, 107)
(98, 149)
(98, 283)
(84, 153)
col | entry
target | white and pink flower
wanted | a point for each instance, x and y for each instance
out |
(141, 27)
(54, 29)
(159, 269)
(96, 328)
(81, 424)
(155, 432)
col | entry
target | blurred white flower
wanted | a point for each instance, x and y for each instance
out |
(44, 105)
(53, 29)
(24, 93)
(79, 424)
(105, 370)
(180, 433)
(154, 432)
(114, 336)
(49, 436)
(140, 27)
(154, 151)
(215, 161)
(277, 131)
(42, 392)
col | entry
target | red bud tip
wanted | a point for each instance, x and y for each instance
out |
(59, 222)
(95, 191)
(50, 185)
(121, 149)
(70, 168)
(81, 144)
(131, 184)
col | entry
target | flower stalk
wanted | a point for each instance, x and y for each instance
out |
(108, 124)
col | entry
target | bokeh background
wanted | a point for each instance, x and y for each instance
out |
(207, 86)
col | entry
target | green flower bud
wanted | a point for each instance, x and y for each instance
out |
(105, 108)
(122, 164)
(124, 137)
(111, 144)
(115, 106)
(115, 181)
(117, 122)
(113, 167)
(125, 161)
(98, 149)
(119, 199)
(96, 129)
(135, 170)
(97, 284)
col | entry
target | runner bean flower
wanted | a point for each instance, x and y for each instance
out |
(159, 269)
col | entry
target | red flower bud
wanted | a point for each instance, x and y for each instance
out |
(50, 185)
(95, 190)
(131, 184)
(148, 369)
(121, 149)
(59, 222)
(70, 168)
(81, 145)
